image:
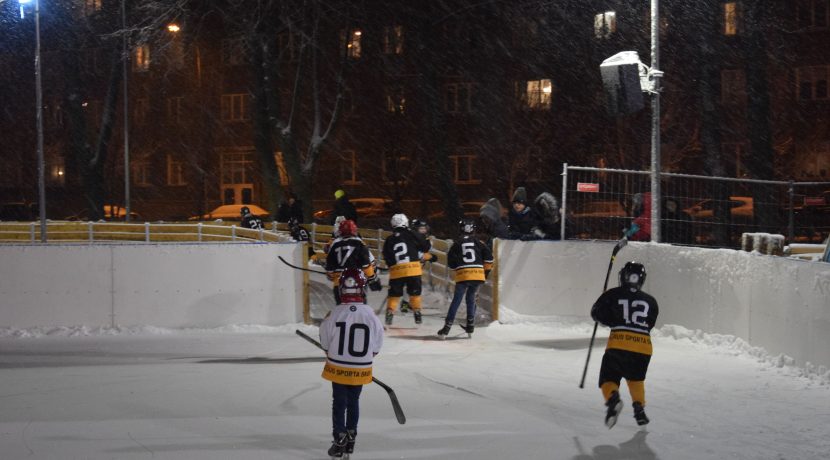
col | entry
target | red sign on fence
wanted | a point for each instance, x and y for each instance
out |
(814, 201)
(587, 187)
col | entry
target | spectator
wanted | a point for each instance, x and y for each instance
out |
(343, 207)
(291, 208)
(493, 224)
(548, 219)
(520, 219)
(640, 229)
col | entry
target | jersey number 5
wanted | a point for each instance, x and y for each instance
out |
(341, 325)
(635, 313)
(468, 252)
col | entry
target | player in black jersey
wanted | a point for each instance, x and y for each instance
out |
(300, 234)
(403, 252)
(631, 314)
(471, 260)
(249, 220)
(349, 251)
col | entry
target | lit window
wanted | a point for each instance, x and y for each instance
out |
(235, 107)
(813, 14)
(92, 6)
(234, 52)
(348, 167)
(458, 97)
(351, 43)
(536, 94)
(397, 168)
(732, 86)
(605, 24)
(175, 171)
(812, 83)
(730, 18)
(393, 40)
(395, 100)
(141, 58)
(464, 168)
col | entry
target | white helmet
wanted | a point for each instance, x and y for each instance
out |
(399, 220)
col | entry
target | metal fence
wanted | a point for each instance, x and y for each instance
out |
(696, 210)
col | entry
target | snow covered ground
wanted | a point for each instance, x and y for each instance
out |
(255, 392)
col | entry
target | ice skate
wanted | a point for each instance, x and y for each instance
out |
(338, 446)
(442, 334)
(614, 405)
(417, 315)
(640, 414)
(389, 315)
(350, 442)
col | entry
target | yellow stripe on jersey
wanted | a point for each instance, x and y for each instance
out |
(347, 375)
(404, 270)
(469, 274)
(630, 341)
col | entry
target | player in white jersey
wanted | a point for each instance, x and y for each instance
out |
(351, 335)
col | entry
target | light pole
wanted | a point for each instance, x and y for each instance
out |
(655, 122)
(125, 65)
(41, 181)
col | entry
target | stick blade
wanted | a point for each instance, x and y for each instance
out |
(396, 406)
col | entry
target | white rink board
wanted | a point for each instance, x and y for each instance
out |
(777, 303)
(165, 285)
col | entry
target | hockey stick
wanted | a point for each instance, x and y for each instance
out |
(300, 268)
(617, 248)
(396, 406)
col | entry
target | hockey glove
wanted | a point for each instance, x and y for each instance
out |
(631, 231)
(374, 285)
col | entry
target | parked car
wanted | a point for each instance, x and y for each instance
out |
(374, 208)
(231, 212)
(111, 212)
(17, 211)
(740, 208)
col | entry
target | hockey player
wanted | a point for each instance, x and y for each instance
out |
(421, 228)
(403, 252)
(300, 234)
(349, 251)
(630, 313)
(351, 335)
(471, 261)
(249, 220)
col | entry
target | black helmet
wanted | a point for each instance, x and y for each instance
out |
(633, 275)
(244, 210)
(293, 222)
(418, 224)
(467, 226)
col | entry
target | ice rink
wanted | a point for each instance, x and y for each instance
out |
(255, 392)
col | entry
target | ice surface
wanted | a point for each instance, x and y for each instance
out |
(253, 392)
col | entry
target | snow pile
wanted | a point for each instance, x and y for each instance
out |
(87, 331)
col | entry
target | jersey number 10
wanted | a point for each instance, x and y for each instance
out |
(341, 325)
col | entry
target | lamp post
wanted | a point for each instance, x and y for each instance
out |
(655, 122)
(125, 65)
(41, 181)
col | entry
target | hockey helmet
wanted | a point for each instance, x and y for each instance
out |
(293, 222)
(347, 228)
(467, 226)
(420, 226)
(633, 275)
(244, 211)
(399, 221)
(352, 285)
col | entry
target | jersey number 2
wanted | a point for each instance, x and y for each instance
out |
(341, 325)
(635, 313)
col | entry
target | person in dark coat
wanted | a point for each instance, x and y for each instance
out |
(343, 207)
(493, 225)
(521, 220)
(676, 224)
(291, 208)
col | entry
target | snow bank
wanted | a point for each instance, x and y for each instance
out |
(779, 304)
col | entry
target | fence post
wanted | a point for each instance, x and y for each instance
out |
(32, 232)
(564, 207)
(199, 231)
(233, 232)
(146, 232)
(91, 231)
(791, 213)
(261, 230)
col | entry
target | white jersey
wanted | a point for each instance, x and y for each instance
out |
(351, 335)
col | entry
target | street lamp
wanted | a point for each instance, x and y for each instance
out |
(41, 182)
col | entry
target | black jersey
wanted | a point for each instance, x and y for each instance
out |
(403, 252)
(470, 258)
(299, 234)
(348, 252)
(630, 314)
(252, 221)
